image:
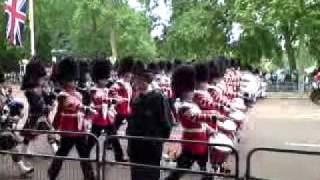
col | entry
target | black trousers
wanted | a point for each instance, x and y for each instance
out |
(66, 145)
(118, 121)
(110, 130)
(146, 153)
(185, 161)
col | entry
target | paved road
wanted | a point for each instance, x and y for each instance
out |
(276, 123)
(289, 124)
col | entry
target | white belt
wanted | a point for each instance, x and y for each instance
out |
(69, 115)
(193, 130)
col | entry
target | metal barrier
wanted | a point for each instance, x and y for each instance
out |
(105, 161)
(287, 151)
(96, 161)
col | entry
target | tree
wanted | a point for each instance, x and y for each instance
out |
(287, 20)
(198, 30)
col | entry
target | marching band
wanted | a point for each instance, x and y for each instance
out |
(208, 101)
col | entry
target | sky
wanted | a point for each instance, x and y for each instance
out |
(164, 12)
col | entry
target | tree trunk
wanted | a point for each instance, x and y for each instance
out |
(113, 44)
(291, 54)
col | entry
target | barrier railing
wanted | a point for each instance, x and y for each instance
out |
(106, 162)
(248, 174)
(95, 161)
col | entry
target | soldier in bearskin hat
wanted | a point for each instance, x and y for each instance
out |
(35, 89)
(191, 118)
(122, 88)
(69, 117)
(104, 105)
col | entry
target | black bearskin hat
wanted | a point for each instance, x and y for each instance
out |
(125, 65)
(235, 63)
(183, 79)
(213, 70)
(2, 79)
(222, 65)
(162, 66)
(101, 69)
(68, 70)
(202, 72)
(34, 71)
(169, 66)
(177, 62)
(84, 69)
(138, 67)
(153, 67)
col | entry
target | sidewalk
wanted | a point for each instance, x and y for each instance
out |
(287, 95)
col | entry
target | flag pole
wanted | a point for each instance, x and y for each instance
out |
(31, 21)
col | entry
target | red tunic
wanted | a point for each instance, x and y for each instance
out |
(191, 117)
(123, 90)
(105, 114)
(68, 116)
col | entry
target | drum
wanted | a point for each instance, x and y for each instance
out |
(219, 154)
(221, 138)
(237, 116)
(228, 126)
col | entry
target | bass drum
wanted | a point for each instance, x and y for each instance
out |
(228, 126)
(219, 154)
(221, 138)
(8, 140)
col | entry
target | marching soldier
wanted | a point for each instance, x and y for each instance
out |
(104, 119)
(191, 118)
(122, 88)
(69, 117)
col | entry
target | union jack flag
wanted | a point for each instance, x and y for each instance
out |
(16, 14)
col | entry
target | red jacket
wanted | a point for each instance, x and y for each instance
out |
(124, 91)
(68, 112)
(191, 117)
(105, 113)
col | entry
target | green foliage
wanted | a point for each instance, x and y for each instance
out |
(272, 30)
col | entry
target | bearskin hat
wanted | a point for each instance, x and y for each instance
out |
(162, 66)
(213, 70)
(153, 67)
(138, 67)
(2, 79)
(202, 72)
(183, 79)
(177, 62)
(235, 63)
(84, 69)
(222, 65)
(169, 66)
(125, 65)
(34, 71)
(68, 70)
(101, 69)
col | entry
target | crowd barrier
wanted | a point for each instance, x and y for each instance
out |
(107, 162)
(251, 154)
(41, 163)
(108, 169)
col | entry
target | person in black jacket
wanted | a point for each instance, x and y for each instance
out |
(35, 87)
(150, 117)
